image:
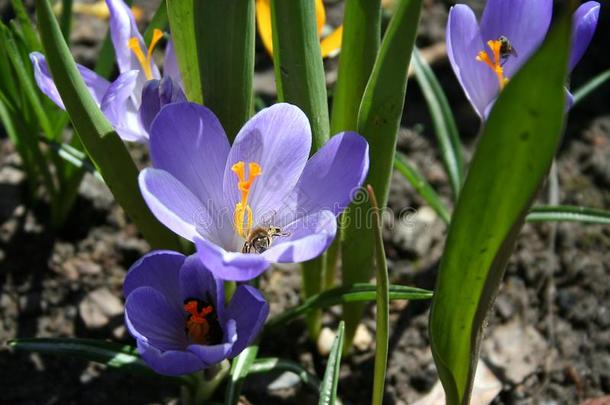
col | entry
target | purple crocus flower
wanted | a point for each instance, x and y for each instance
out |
(257, 202)
(484, 57)
(121, 99)
(175, 310)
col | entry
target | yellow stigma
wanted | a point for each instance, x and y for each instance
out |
(242, 217)
(145, 60)
(494, 65)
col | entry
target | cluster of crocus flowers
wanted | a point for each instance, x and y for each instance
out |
(121, 100)
(485, 56)
(175, 309)
(259, 201)
(329, 44)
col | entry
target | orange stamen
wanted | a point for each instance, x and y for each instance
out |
(495, 64)
(145, 60)
(242, 217)
(196, 325)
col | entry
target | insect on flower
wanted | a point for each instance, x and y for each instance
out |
(221, 196)
(484, 56)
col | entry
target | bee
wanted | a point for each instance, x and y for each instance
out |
(506, 49)
(261, 238)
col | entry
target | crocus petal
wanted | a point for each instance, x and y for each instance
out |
(231, 266)
(308, 238)
(524, 22)
(463, 44)
(263, 24)
(152, 318)
(173, 204)
(123, 27)
(196, 281)
(188, 141)
(171, 362)
(96, 84)
(584, 23)
(330, 179)
(278, 138)
(320, 16)
(158, 270)
(117, 105)
(170, 64)
(156, 94)
(214, 354)
(331, 44)
(249, 310)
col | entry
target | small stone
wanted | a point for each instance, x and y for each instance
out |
(516, 348)
(363, 339)
(98, 307)
(286, 380)
(325, 341)
(416, 231)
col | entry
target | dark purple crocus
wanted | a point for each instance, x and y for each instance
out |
(484, 57)
(257, 202)
(120, 100)
(175, 310)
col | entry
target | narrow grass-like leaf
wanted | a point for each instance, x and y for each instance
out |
(183, 23)
(239, 370)
(299, 77)
(445, 128)
(514, 155)
(568, 213)
(360, 292)
(383, 305)
(328, 388)
(270, 364)
(299, 72)
(588, 88)
(421, 186)
(29, 32)
(65, 22)
(114, 355)
(227, 59)
(359, 47)
(103, 145)
(378, 121)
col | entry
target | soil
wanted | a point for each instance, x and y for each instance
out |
(555, 294)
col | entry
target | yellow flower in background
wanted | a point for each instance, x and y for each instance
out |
(97, 9)
(330, 45)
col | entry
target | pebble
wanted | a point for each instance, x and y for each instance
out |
(98, 307)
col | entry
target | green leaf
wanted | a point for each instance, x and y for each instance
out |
(328, 388)
(360, 292)
(568, 213)
(378, 121)
(239, 370)
(299, 72)
(183, 23)
(421, 186)
(270, 364)
(113, 355)
(383, 305)
(66, 19)
(29, 32)
(227, 59)
(103, 145)
(588, 88)
(445, 128)
(359, 47)
(514, 155)
(299, 77)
